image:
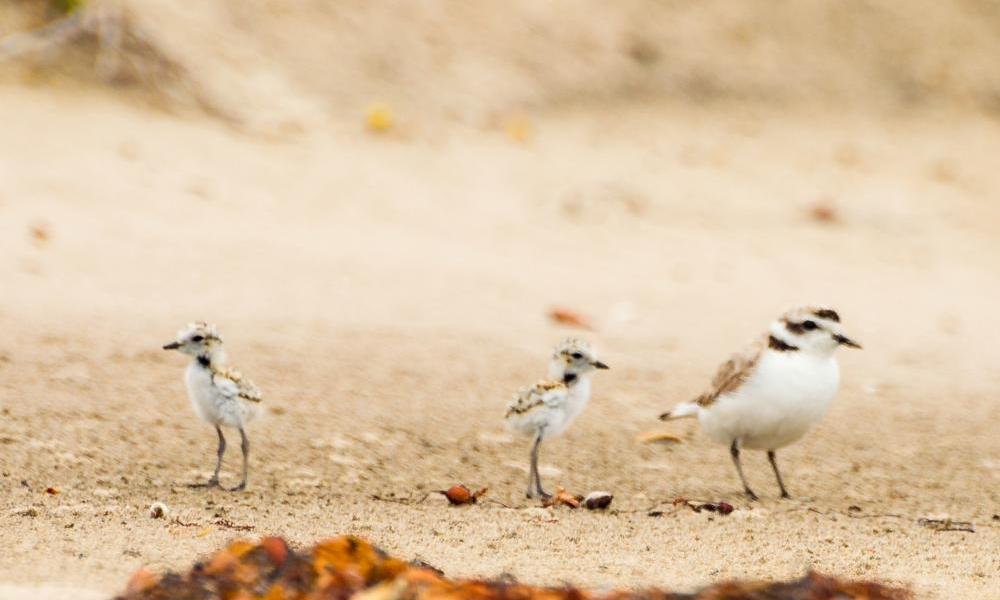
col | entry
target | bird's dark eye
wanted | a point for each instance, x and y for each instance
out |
(197, 338)
(577, 355)
(809, 325)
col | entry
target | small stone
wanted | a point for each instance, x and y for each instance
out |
(158, 510)
(597, 500)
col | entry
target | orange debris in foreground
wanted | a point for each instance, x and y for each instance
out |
(347, 567)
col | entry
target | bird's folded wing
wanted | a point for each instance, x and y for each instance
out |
(232, 384)
(544, 393)
(732, 373)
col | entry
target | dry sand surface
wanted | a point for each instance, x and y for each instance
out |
(389, 292)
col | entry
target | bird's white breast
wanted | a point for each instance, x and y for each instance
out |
(211, 404)
(786, 394)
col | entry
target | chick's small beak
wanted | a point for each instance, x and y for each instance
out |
(843, 340)
(172, 346)
(599, 365)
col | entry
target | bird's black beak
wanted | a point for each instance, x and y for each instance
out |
(843, 340)
(599, 365)
(172, 346)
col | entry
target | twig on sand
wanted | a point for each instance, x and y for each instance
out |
(948, 525)
(404, 501)
(224, 523)
(227, 524)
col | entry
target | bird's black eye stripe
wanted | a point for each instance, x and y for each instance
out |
(576, 355)
(809, 325)
(197, 338)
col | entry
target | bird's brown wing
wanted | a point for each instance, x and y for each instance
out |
(530, 398)
(733, 373)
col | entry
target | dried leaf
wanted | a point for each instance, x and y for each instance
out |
(824, 211)
(140, 581)
(562, 498)
(276, 550)
(458, 495)
(566, 316)
(40, 234)
(349, 567)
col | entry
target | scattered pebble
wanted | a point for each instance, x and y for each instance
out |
(597, 500)
(158, 510)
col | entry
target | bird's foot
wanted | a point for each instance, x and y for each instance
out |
(242, 486)
(785, 495)
(752, 496)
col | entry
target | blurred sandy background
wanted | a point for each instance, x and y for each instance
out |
(679, 172)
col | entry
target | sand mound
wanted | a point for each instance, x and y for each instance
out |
(264, 64)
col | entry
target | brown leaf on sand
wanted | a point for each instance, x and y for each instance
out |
(653, 437)
(565, 316)
(824, 211)
(458, 495)
(39, 233)
(562, 498)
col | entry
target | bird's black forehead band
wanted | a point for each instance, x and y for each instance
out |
(828, 314)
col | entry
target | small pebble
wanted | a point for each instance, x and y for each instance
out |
(158, 510)
(598, 500)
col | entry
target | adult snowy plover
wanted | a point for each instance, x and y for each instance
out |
(768, 396)
(547, 408)
(220, 395)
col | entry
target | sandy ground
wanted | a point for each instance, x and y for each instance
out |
(389, 293)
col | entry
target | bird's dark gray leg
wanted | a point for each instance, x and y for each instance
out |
(734, 450)
(245, 446)
(534, 479)
(214, 481)
(774, 465)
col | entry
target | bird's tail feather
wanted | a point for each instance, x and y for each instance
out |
(681, 411)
